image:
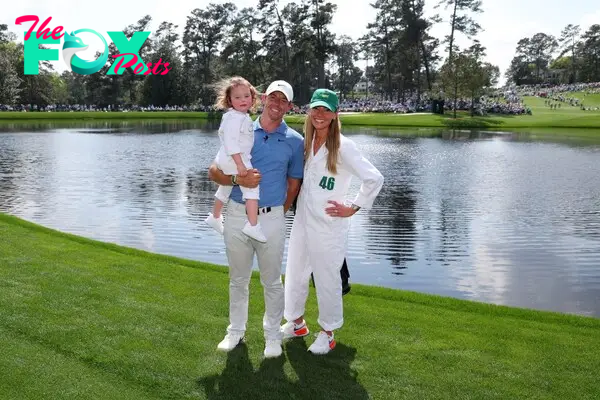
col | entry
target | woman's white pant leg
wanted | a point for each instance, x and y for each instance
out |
(328, 283)
(297, 274)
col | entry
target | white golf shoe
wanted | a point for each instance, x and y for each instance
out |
(230, 342)
(273, 348)
(323, 345)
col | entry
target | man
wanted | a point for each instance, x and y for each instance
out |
(278, 159)
(345, 278)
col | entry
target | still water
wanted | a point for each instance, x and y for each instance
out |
(495, 218)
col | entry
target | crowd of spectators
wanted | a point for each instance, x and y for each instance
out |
(371, 105)
(502, 101)
(105, 108)
(557, 95)
(493, 104)
(547, 90)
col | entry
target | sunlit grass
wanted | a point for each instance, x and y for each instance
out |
(85, 319)
(543, 117)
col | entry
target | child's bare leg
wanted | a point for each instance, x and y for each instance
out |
(252, 227)
(217, 208)
(252, 211)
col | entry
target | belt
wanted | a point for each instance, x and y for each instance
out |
(264, 210)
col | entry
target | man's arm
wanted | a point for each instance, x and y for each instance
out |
(250, 181)
(295, 168)
(293, 187)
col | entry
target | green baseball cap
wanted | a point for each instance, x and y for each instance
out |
(324, 98)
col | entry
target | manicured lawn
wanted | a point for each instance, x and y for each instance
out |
(543, 118)
(84, 319)
(588, 99)
(85, 115)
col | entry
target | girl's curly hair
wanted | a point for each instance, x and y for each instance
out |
(224, 88)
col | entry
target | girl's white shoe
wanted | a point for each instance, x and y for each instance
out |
(215, 223)
(255, 232)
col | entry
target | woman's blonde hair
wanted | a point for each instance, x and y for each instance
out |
(224, 88)
(332, 143)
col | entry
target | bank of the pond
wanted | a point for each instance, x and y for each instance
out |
(85, 318)
(10, 116)
(495, 122)
(541, 119)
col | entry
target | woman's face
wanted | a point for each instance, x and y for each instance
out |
(321, 117)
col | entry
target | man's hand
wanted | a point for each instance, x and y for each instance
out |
(251, 179)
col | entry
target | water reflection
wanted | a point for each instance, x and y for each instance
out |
(495, 218)
(108, 126)
(393, 216)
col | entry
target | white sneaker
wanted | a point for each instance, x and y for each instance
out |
(230, 341)
(323, 345)
(292, 330)
(273, 348)
(215, 223)
(255, 232)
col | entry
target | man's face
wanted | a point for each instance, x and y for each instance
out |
(276, 106)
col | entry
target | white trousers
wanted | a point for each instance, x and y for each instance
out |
(301, 262)
(240, 254)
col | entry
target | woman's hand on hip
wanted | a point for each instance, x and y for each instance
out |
(339, 210)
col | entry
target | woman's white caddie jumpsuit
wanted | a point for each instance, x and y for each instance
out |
(318, 241)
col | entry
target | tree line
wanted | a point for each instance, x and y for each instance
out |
(271, 41)
(572, 57)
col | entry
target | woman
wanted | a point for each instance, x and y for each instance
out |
(319, 234)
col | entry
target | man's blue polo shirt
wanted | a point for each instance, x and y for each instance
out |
(277, 155)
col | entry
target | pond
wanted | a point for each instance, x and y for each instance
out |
(497, 218)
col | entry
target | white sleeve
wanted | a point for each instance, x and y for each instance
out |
(231, 127)
(358, 165)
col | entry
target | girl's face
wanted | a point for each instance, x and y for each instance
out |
(241, 98)
(321, 117)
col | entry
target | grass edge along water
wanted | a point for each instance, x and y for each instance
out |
(82, 317)
(498, 122)
(587, 123)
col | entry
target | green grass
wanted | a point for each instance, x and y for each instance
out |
(543, 118)
(84, 319)
(88, 115)
(588, 99)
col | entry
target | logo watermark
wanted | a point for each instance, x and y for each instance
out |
(128, 56)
